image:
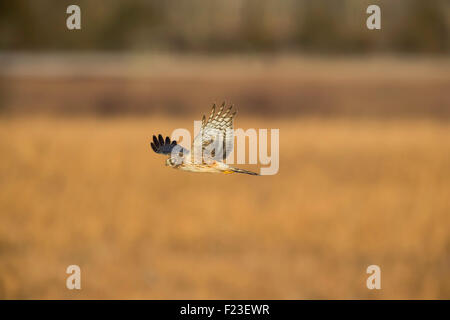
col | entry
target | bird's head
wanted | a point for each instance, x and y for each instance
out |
(170, 162)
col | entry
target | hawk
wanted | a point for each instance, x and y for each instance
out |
(210, 148)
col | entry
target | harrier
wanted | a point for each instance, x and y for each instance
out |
(214, 143)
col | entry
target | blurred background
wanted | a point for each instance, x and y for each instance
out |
(364, 149)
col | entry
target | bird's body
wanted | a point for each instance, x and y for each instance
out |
(212, 167)
(214, 143)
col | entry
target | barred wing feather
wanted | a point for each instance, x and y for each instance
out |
(216, 135)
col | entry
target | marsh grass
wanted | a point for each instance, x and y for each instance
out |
(349, 193)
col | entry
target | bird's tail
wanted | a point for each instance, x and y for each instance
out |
(243, 171)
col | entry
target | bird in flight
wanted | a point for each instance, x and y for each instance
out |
(210, 148)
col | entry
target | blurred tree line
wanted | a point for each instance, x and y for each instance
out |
(322, 26)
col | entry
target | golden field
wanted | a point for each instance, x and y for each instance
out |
(349, 193)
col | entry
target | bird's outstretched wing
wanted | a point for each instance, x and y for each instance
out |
(216, 135)
(159, 145)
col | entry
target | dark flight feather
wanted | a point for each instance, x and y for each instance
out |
(165, 146)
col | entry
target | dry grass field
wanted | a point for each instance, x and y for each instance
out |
(364, 123)
(349, 193)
